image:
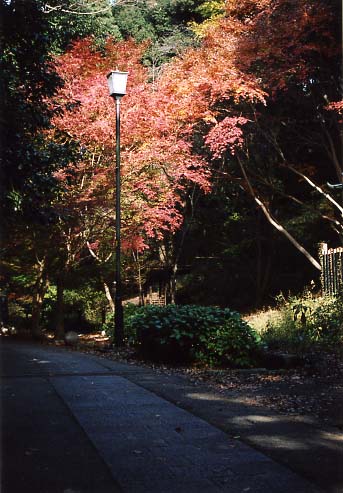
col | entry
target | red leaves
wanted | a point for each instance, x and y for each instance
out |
(226, 135)
(336, 106)
(94, 246)
(205, 96)
(157, 157)
(282, 38)
(84, 70)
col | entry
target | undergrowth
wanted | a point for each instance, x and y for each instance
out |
(300, 324)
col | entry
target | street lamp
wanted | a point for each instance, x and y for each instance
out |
(117, 87)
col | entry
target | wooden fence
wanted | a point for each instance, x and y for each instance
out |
(331, 260)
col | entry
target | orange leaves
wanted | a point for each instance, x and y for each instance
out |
(207, 83)
(208, 75)
(336, 106)
(203, 98)
(283, 38)
(84, 70)
(157, 156)
(226, 135)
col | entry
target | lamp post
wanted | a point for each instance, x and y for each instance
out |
(117, 87)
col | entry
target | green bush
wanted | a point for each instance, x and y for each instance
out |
(82, 308)
(326, 323)
(129, 334)
(181, 334)
(306, 323)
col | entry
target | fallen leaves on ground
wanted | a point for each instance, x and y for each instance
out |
(316, 390)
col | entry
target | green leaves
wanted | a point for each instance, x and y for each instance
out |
(305, 324)
(29, 80)
(187, 333)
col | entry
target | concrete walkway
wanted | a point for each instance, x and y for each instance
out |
(77, 423)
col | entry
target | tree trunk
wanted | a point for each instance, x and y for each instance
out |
(140, 283)
(264, 262)
(40, 289)
(172, 285)
(109, 297)
(4, 316)
(103, 316)
(259, 264)
(59, 320)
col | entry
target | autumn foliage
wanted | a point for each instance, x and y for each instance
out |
(207, 105)
(250, 110)
(158, 162)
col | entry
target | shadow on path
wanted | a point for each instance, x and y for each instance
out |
(75, 423)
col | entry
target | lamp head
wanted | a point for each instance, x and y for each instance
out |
(117, 83)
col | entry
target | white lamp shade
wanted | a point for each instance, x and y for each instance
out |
(117, 83)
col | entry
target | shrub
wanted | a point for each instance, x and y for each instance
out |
(179, 334)
(305, 323)
(129, 334)
(82, 308)
(326, 323)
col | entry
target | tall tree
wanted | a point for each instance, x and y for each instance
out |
(29, 156)
(157, 156)
(295, 131)
(29, 78)
(260, 84)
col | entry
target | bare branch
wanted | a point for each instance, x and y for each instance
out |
(94, 255)
(274, 222)
(307, 206)
(49, 8)
(317, 187)
(333, 155)
(92, 252)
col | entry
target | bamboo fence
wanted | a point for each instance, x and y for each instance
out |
(331, 260)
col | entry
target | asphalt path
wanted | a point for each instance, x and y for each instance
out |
(72, 422)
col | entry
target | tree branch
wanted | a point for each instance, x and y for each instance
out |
(316, 187)
(49, 8)
(94, 255)
(274, 222)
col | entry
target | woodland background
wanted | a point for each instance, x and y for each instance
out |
(231, 153)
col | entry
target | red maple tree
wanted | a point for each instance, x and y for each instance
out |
(158, 161)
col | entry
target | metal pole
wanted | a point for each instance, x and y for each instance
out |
(118, 315)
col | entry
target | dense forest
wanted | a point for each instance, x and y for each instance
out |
(231, 153)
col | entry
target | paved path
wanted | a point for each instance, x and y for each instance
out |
(76, 423)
